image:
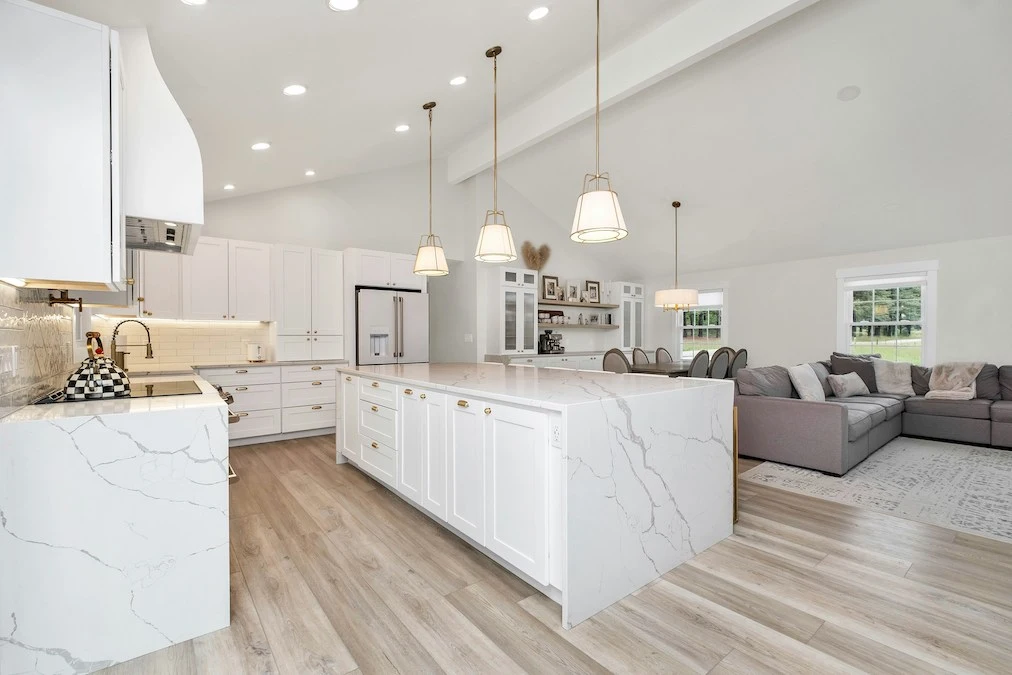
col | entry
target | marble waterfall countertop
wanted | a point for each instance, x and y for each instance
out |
(262, 364)
(537, 387)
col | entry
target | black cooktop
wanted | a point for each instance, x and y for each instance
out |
(138, 390)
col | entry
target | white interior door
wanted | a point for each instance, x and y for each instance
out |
(294, 279)
(466, 468)
(161, 285)
(206, 281)
(328, 292)
(249, 266)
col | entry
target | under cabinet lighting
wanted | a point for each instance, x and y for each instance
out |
(13, 282)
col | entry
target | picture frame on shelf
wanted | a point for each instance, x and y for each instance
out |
(549, 287)
(595, 319)
(572, 291)
(593, 291)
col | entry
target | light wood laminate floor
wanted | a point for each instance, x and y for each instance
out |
(332, 573)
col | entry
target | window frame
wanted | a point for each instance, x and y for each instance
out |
(720, 287)
(928, 269)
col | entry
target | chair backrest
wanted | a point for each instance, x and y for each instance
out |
(739, 361)
(663, 355)
(718, 364)
(615, 361)
(640, 356)
(700, 364)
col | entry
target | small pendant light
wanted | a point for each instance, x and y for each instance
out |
(676, 298)
(430, 261)
(495, 241)
(598, 215)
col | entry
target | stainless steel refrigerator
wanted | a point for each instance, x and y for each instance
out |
(392, 327)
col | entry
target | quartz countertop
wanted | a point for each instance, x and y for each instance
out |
(208, 398)
(262, 364)
(537, 387)
(503, 358)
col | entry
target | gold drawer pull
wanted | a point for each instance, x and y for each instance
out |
(376, 384)
(241, 372)
(317, 407)
(242, 414)
(241, 388)
(348, 378)
(408, 392)
(317, 384)
(375, 409)
(317, 368)
(375, 445)
(421, 396)
(463, 404)
(488, 411)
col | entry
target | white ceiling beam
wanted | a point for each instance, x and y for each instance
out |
(703, 29)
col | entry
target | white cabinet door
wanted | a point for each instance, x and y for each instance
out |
(294, 348)
(422, 450)
(206, 281)
(413, 434)
(327, 348)
(348, 444)
(249, 281)
(293, 289)
(637, 322)
(402, 272)
(529, 322)
(465, 491)
(516, 488)
(161, 285)
(328, 293)
(373, 268)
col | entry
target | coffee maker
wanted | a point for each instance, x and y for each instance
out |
(550, 343)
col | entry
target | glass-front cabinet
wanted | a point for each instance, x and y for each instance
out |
(630, 297)
(514, 293)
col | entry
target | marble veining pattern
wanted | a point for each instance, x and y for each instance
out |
(114, 536)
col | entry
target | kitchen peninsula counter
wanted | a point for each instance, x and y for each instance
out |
(587, 484)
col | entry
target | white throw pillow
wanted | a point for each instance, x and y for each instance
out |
(893, 377)
(845, 386)
(807, 383)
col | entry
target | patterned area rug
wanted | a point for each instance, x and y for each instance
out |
(960, 487)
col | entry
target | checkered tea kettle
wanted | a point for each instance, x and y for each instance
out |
(97, 376)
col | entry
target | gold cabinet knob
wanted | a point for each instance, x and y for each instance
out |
(348, 378)
(317, 368)
(376, 384)
(317, 407)
(317, 384)
(421, 396)
(375, 445)
(488, 411)
(140, 299)
(130, 282)
(375, 409)
(408, 392)
(463, 404)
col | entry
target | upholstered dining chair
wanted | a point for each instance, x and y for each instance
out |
(719, 363)
(700, 364)
(640, 356)
(739, 361)
(615, 362)
(663, 355)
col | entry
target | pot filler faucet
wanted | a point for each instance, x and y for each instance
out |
(120, 357)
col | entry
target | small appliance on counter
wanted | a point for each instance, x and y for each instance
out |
(550, 343)
(255, 352)
(98, 376)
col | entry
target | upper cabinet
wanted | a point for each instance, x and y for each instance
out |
(249, 281)
(630, 298)
(227, 279)
(383, 270)
(309, 292)
(61, 155)
(328, 292)
(160, 295)
(293, 289)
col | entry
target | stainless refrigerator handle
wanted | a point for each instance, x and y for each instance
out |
(402, 325)
(397, 329)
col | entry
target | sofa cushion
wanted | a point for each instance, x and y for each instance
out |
(822, 372)
(987, 383)
(849, 384)
(858, 424)
(876, 412)
(892, 404)
(920, 378)
(1001, 411)
(843, 364)
(806, 382)
(765, 381)
(1005, 382)
(977, 408)
(893, 377)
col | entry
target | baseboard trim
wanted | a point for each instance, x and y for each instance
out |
(255, 440)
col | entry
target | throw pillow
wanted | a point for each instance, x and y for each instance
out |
(766, 381)
(862, 365)
(987, 383)
(1005, 382)
(847, 385)
(822, 372)
(920, 379)
(892, 377)
(807, 383)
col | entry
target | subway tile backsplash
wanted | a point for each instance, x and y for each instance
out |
(177, 345)
(36, 346)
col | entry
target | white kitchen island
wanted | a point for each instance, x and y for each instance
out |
(587, 484)
(114, 538)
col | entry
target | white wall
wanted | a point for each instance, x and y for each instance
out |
(453, 314)
(974, 287)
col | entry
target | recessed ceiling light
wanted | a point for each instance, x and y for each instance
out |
(262, 145)
(294, 90)
(537, 14)
(194, 2)
(228, 186)
(849, 93)
(342, 5)
(457, 81)
(310, 172)
(401, 128)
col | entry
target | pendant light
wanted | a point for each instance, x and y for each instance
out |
(495, 241)
(598, 215)
(430, 261)
(676, 298)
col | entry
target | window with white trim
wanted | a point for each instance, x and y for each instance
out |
(891, 314)
(703, 326)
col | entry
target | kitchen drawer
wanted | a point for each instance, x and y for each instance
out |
(379, 461)
(378, 423)
(309, 373)
(308, 393)
(255, 396)
(233, 376)
(255, 423)
(306, 417)
(381, 393)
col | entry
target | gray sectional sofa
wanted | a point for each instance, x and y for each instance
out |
(836, 435)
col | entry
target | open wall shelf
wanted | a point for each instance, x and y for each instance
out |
(584, 305)
(598, 326)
